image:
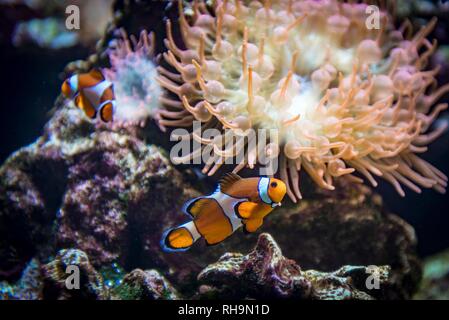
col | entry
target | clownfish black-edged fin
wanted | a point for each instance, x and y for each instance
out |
(211, 244)
(194, 206)
(107, 112)
(228, 180)
(245, 231)
(251, 225)
(78, 101)
(177, 239)
(245, 209)
(97, 74)
(65, 89)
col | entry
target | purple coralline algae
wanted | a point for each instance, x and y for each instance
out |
(28, 287)
(266, 273)
(145, 285)
(57, 281)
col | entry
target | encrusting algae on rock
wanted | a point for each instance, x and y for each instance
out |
(266, 273)
(343, 98)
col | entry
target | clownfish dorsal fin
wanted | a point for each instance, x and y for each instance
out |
(228, 180)
(97, 74)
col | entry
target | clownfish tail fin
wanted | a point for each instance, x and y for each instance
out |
(180, 238)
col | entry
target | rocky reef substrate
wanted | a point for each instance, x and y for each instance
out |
(96, 197)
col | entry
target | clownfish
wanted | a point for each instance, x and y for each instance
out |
(92, 93)
(237, 202)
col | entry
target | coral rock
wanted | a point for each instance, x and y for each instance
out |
(28, 287)
(57, 277)
(145, 285)
(266, 273)
(70, 275)
(435, 283)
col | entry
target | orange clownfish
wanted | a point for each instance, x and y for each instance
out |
(92, 93)
(236, 202)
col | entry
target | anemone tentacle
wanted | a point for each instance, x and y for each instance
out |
(133, 74)
(346, 99)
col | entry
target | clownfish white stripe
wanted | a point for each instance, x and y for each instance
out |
(73, 83)
(106, 102)
(190, 226)
(228, 204)
(101, 87)
(263, 190)
(94, 93)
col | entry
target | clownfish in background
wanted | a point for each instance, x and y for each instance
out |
(236, 202)
(92, 93)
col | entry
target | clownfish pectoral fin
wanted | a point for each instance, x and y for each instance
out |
(251, 225)
(228, 180)
(79, 102)
(84, 104)
(194, 207)
(246, 209)
(97, 74)
(180, 238)
(107, 112)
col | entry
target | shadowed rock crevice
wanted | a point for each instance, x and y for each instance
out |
(32, 187)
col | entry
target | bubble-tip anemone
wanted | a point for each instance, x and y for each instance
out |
(133, 74)
(344, 98)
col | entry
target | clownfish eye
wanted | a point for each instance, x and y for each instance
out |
(274, 184)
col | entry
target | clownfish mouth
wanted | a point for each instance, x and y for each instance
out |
(276, 204)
